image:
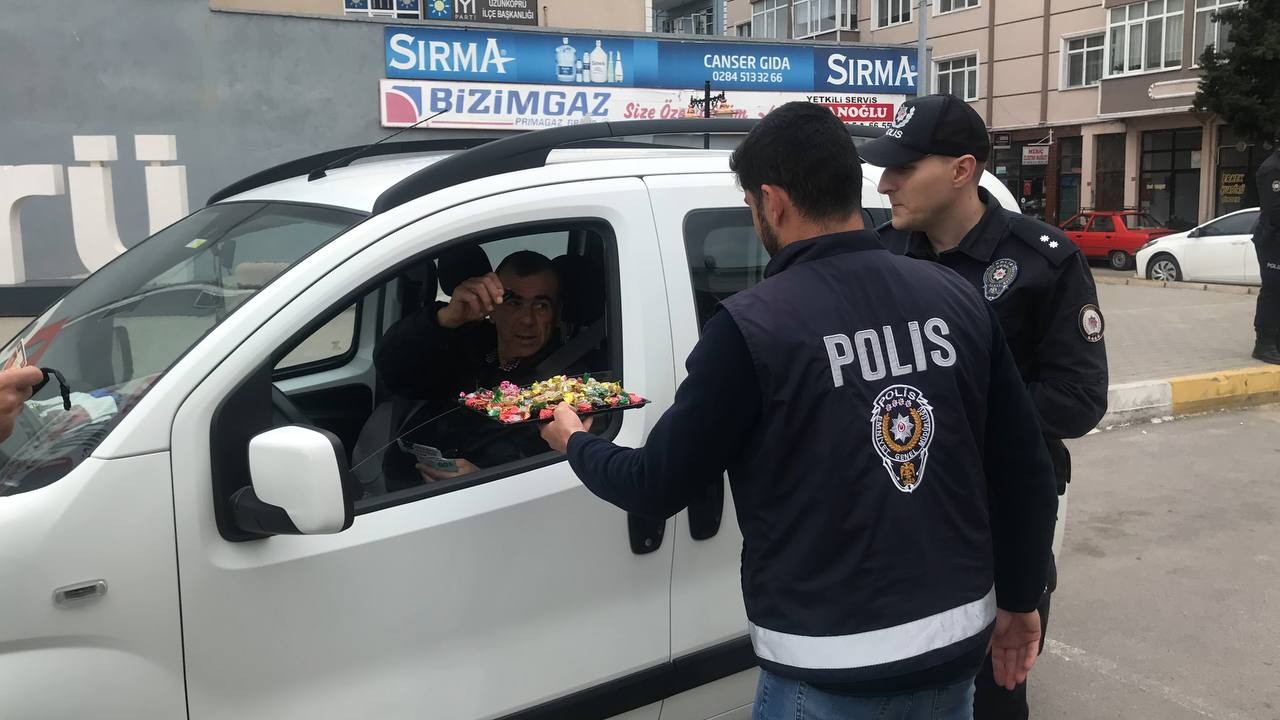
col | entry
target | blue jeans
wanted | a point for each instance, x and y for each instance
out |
(779, 698)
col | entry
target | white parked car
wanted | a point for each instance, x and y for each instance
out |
(1219, 251)
(207, 533)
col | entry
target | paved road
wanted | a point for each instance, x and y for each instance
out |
(1169, 599)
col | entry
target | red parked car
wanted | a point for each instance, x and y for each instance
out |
(1113, 234)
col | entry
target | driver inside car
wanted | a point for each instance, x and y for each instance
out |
(498, 326)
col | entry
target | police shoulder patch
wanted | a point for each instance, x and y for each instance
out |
(1048, 240)
(1092, 325)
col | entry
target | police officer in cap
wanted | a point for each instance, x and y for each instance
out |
(1034, 278)
(1266, 241)
(895, 499)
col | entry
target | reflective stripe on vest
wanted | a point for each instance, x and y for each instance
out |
(876, 647)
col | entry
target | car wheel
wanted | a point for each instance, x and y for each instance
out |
(1164, 267)
(1119, 260)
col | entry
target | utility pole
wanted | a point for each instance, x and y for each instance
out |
(922, 54)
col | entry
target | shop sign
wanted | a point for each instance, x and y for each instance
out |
(543, 58)
(1035, 154)
(497, 106)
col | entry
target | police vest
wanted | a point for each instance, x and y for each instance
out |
(862, 499)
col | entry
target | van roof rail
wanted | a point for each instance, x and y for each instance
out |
(301, 166)
(530, 150)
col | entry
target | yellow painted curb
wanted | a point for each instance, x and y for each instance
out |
(1228, 388)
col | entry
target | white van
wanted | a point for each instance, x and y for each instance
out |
(206, 533)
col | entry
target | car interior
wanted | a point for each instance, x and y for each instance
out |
(359, 410)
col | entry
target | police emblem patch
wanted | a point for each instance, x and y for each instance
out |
(998, 277)
(1275, 186)
(1091, 323)
(903, 117)
(901, 430)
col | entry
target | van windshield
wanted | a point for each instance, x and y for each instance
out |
(115, 333)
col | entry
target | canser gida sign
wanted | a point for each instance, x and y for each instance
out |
(513, 80)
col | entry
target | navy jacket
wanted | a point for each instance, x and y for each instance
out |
(884, 456)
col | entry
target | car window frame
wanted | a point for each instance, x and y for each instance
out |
(332, 362)
(1094, 221)
(1078, 216)
(612, 422)
(1206, 230)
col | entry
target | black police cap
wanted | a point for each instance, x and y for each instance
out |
(930, 125)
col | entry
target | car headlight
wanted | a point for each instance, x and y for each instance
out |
(1148, 244)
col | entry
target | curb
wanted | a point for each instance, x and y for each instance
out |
(1206, 287)
(1190, 394)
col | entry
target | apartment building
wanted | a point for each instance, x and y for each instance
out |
(1089, 102)
(686, 17)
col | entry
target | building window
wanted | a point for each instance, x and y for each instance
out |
(946, 6)
(1083, 61)
(1210, 32)
(1169, 186)
(405, 9)
(744, 30)
(1070, 167)
(892, 12)
(958, 76)
(1144, 36)
(698, 23)
(770, 19)
(813, 17)
(1109, 152)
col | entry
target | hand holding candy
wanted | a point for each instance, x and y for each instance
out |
(564, 424)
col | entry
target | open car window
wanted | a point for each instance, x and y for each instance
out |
(420, 440)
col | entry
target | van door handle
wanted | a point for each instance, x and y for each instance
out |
(68, 595)
(705, 512)
(645, 534)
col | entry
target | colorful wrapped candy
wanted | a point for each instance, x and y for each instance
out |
(509, 403)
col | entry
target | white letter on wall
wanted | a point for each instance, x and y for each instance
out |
(93, 209)
(17, 183)
(166, 184)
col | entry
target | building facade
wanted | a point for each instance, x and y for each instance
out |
(1089, 101)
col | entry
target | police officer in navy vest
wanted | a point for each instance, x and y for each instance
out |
(1266, 242)
(1034, 278)
(895, 499)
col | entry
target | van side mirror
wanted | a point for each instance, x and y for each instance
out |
(301, 484)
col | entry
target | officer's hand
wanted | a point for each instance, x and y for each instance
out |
(562, 427)
(15, 389)
(1014, 647)
(472, 300)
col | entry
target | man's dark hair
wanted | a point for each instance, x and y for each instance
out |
(527, 262)
(803, 149)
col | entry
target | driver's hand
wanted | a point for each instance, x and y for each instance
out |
(472, 300)
(15, 389)
(430, 474)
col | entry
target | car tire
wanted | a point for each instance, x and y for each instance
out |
(1164, 267)
(1119, 260)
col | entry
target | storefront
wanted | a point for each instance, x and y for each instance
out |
(1070, 173)
(1042, 168)
(1109, 181)
(1238, 162)
(516, 80)
(1169, 184)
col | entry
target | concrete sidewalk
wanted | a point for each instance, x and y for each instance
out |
(1176, 350)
